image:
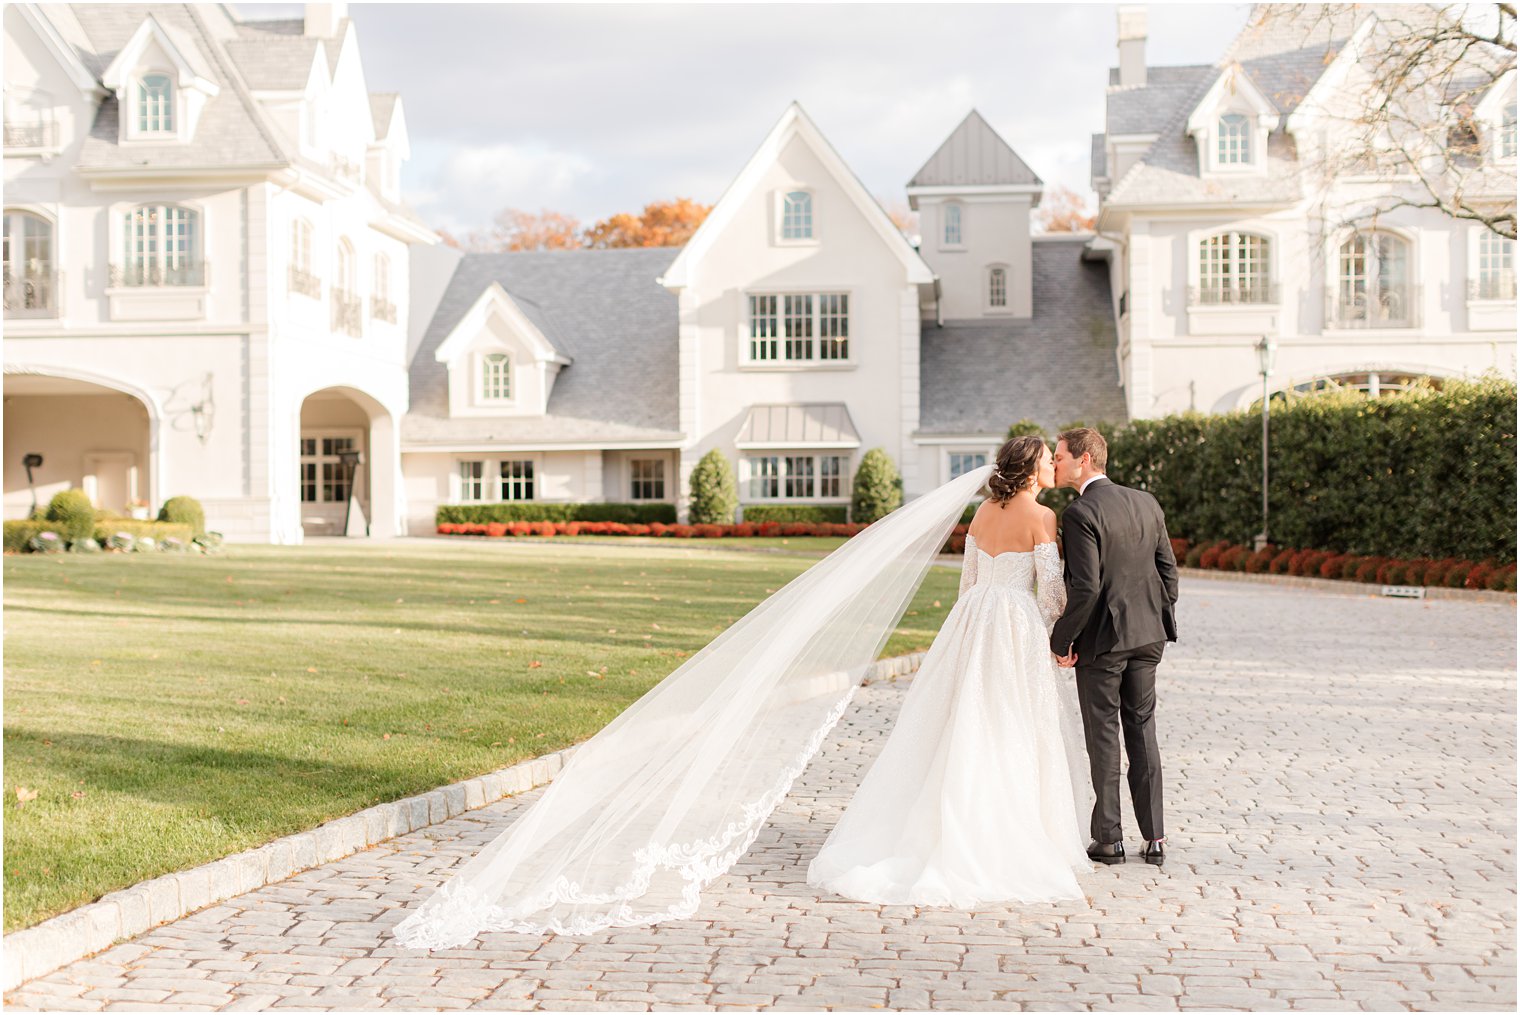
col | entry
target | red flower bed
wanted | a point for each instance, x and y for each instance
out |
(500, 529)
(1372, 570)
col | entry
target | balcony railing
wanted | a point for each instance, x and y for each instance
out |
(189, 273)
(1395, 307)
(346, 312)
(305, 283)
(382, 310)
(1229, 296)
(33, 294)
(38, 134)
(1501, 287)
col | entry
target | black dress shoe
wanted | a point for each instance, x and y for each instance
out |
(1106, 852)
(1154, 851)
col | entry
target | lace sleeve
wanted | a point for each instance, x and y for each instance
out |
(968, 566)
(1050, 585)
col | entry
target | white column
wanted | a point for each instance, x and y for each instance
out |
(908, 393)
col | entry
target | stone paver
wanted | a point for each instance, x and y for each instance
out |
(1340, 776)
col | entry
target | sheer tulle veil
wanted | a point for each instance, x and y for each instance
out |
(670, 794)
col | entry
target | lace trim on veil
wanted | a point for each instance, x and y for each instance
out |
(456, 914)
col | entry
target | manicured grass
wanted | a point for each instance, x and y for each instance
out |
(170, 710)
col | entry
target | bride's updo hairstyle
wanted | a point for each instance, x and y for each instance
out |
(1017, 462)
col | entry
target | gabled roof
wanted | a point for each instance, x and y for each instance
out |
(69, 58)
(381, 106)
(274, 63)
(974, 155)
(794, 123)
(190, 62)
(526, 317)
(1232, 81)
(1059, 366)
(607, 306)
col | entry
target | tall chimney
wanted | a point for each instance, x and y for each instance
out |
(1131, 45)
(322, 20)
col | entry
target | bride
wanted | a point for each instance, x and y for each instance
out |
(975, 797)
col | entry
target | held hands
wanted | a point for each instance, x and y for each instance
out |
(1067, 661)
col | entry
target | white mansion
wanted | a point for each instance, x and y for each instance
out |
(213, 288)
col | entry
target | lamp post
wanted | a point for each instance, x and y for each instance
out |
(350, 460)
(32, 460)
(1266, 353)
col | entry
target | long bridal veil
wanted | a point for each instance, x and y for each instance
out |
(671, 793)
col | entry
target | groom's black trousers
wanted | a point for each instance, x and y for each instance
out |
(1118, 689)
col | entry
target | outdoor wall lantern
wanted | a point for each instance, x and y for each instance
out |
(32, 460)
(1266, 357)
(202, 412)
(350, 460)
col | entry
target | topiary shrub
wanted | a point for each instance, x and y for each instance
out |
(714, 492)
(72, 515)
(878, 488)
(184, 511)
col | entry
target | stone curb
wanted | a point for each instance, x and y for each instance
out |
(129, 912)
(1348, 588)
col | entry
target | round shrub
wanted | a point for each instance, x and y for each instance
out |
(1456, 577)
(1258, 562)
(1279, 563)
(72, 514)
(878, 488)
(1414, 571)
(714, 492)
(86, 545)
(1502, 579)
(1478, 577)
(185, 511)
(1391, 573)
(46, 541)
(1367, 569)
(1194, 557)
(123, 541)
(145, 544)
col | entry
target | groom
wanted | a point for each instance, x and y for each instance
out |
(1121, 587)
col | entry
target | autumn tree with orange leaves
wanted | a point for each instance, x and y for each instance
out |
(1062, 211)
(660, 224)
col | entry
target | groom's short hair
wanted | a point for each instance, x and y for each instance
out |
(1084, 440)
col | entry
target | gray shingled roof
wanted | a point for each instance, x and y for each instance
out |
(230, 131)
(1099, 157)
(606, 307)
(1149, 108)
(274, 63)
(974, 154)
(1056, 367)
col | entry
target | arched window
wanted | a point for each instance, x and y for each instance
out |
(346, 308)
(1234, 268)
(380, 305)
(997, 287)
(953, 234)
(30, 280)
(1373, 383)
(495, 377)
(797, 216)
(303, 278)
(161, 246)
(1374, 288)
(155, 104)
(1234, 140)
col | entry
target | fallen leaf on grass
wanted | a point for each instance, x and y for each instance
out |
(78, 794)
(23, 795)
(535, 664)
(311, 669)
(385, 736)
(519, 600)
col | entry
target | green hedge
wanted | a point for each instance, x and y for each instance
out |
(836, 514)
(20, 533)
(628, 514)
(1428, 473)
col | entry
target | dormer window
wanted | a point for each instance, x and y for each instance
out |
(155, 104)
(496, 377)
(1234, 139)
(797, 215)
(953, 233)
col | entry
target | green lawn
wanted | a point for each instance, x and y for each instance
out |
(170, 710)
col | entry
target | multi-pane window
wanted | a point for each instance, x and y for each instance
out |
(1374, 281)
(797, 477)
(29, 266)
(517, 479)
(343, 264)
(160, 246)
(495, 377)
(472, 481)
(1496, 267)
(303, 279)
(1234, 268)
(952, 225)
(997, 287)
(1234, 140)
(797, 216)
(382, 290)
(155, 104)
(324, 480)
(1507, 133)
(648, 478)
(799, 327)
(962, 462)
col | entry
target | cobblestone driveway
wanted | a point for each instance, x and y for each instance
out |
(1341, 802)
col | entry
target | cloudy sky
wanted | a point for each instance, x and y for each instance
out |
(595, 109)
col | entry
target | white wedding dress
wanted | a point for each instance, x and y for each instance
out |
(977, 795)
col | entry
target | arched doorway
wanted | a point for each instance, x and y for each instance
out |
(88, 433)
(333, 421)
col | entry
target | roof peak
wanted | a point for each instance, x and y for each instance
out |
(975, 155)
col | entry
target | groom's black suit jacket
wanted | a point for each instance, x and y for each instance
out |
(1121, 576)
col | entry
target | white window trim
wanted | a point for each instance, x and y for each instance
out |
(478, 372)
(1195, 240)
(116, 237)
(356, 434)
(949, 452)
(54, 266)
(846, 476)
(128, 111)
(664, 478)
(988, 307)
(492, 477)
(849, 362)
(944, 208)
(780, 217)
(1337, 238)
(1475, 235)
